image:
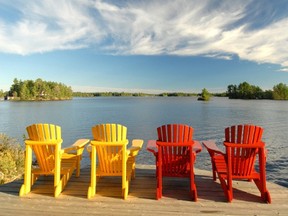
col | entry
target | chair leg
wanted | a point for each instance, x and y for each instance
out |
(229, 191)
(78, 166)
(125, 189)
(261, 182)
(133, 174)
(193, 192)
(57, 189)
(92, 188)
(227, 188)
(159, 186)
(265, 195)
(91, 192)
(26, 187)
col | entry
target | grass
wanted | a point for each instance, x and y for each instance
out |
(11, 159)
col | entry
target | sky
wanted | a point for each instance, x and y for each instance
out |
(149, 46)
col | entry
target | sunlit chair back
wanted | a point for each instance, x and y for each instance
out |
(239, 142)
(175, 144)
(45, 153)
(109, 150)
(110, 141)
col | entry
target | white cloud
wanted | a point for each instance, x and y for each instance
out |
(49, 25)
(266, 45)
(216, 29)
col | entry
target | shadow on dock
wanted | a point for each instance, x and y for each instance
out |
(142, 197)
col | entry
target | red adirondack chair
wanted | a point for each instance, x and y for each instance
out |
(175, 153)
(243, 146)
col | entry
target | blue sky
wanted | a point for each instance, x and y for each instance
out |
(145, 46)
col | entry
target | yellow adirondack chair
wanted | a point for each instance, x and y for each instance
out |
(114, 159)
(45, 142)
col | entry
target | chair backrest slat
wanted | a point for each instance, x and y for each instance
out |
(45, 154)
(174, 156)
(243, 159)
(110, 156)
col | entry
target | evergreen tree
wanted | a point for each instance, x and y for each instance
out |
(280, 92)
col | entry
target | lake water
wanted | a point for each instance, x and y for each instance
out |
(142, 115)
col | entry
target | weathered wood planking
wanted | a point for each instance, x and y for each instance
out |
(141, 199)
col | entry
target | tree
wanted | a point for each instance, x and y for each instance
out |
(15, 88)
(232, 91)
(268, 94)
(205, 95)
(280, 92)
(24, 92)
(246, 91)
(40, 90)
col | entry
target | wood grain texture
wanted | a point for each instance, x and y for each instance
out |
(142, 197)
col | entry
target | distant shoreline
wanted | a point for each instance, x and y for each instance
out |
(126, 94)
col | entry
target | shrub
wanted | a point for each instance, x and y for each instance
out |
(205, 95)
(11, 159)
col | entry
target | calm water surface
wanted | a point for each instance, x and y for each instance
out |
(143, 115)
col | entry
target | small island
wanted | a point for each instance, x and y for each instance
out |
(205, 95)
(38, 90)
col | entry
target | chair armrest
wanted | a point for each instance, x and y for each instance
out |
(137, 143)
(197, 147)
(125, 142)
(211, 146)
(136, 146)
(152, 147)
(254, 145)
(78, 145)
(34, 142)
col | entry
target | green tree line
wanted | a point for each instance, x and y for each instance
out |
(246, 91)
(109, 94)
(127, 94)
(43, 90)
(39, 90)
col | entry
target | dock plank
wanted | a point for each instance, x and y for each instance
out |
(141, 199)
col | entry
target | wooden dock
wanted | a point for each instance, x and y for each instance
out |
(141, 199)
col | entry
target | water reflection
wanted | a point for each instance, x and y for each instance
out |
(143, 115)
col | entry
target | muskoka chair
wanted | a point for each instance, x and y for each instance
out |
(243, 146)
(175, 154)
(45, 142)
(109, 144)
